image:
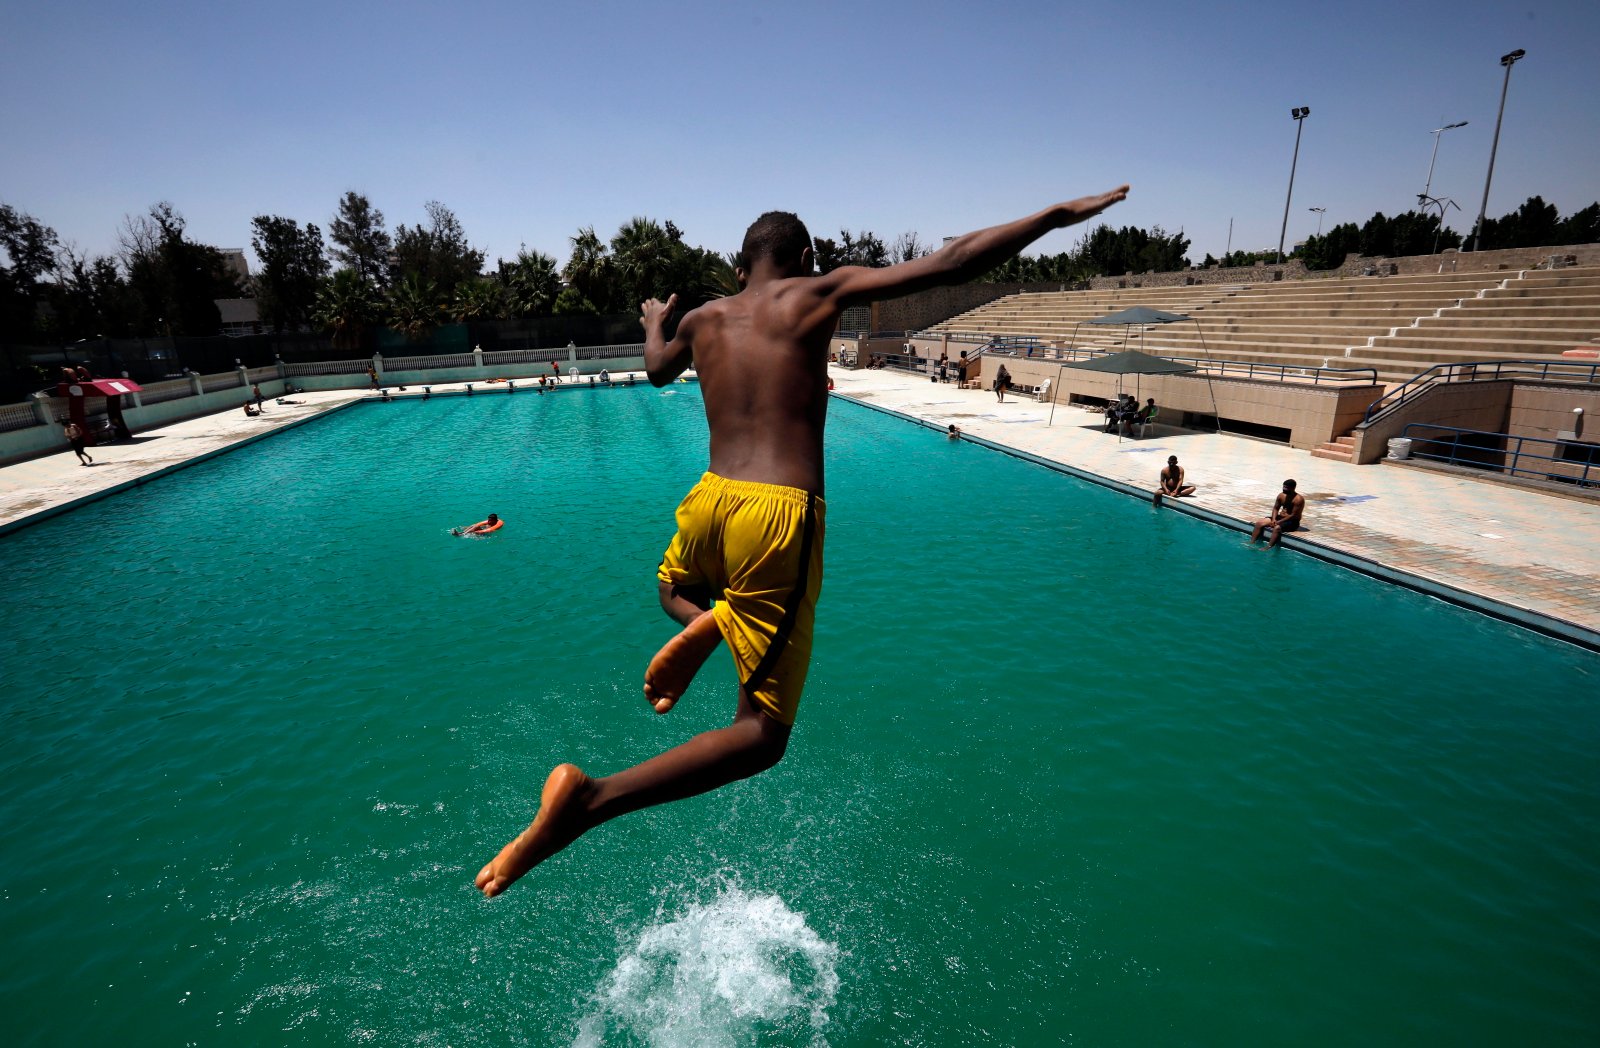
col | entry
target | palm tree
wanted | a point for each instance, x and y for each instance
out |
(346, 305)
(642, 251)
(721, 274)
(414, 306)
(477, 299)
(589, 270)
(531, 284)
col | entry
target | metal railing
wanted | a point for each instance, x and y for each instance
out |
(17, 416)
(611, 352)
(1508, 454)
(329, 367)
(442, 360)
(23, 416)
(1481, 371)
(160, 392)
(502, 357)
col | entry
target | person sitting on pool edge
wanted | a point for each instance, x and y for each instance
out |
(1286, 511)
(484, 527)
(750, 533)
(1171, 482)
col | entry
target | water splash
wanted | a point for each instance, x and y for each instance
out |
(740, 969)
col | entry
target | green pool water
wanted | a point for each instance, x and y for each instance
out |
(1068, 769)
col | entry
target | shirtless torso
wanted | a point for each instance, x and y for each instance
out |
(761, 357)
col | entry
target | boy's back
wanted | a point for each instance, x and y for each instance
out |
(761, 357)
(746, 563)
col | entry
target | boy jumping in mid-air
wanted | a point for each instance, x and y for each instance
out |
(750, 532)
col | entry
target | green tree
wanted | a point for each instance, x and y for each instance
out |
(906, 247)
(29, 250)
(1329, 250)
(175, 280)
(347, 305)
(589, 269)
(90, 299)
(1580, 227)
(641, 254)
(530, 284)
(438, 253)
(572, 301)
(851, 249)
(414, 306)
(292, 268)
(477, 299)
(1534, 224)
(359, 240)
(721, 275)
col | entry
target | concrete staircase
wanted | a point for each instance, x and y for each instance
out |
(1340, 449)
(1396, 325)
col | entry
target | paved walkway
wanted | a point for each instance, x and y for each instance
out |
(1523, 549)
(1520, 549)
(47, 485)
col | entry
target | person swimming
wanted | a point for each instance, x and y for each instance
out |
(483, 527)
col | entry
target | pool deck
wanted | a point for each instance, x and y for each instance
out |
(1525, 555)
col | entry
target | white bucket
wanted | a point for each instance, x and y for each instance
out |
(1400, 448)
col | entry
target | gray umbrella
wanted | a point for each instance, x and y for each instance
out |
(1129, 362)
(1133, 362)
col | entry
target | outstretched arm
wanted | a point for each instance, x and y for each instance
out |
(663, 360)
(961, 259)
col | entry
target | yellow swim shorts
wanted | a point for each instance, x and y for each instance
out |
(758, 548)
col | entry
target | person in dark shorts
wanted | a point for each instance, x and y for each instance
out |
(75, 437)
(1172, 483)
(1286, 511)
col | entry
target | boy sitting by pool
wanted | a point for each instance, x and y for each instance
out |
(750, 532)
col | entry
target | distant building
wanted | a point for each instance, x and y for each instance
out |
(237, 264)
(240, 316)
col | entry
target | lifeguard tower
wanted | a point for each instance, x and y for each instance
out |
(80, 395)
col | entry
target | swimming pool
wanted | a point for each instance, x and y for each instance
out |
(1066, 768)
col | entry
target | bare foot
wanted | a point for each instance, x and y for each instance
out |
(669, 674)
(556, 826)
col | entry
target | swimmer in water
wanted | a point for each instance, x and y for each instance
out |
(750, 533)
(483, 527)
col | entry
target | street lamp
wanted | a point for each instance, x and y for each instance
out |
(1508, 61)
(1436, 132)
(1320, 212)
(1299, 113)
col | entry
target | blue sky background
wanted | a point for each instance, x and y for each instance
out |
(530, 120)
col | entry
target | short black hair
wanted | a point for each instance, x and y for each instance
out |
(778, 235)
(1289, 484)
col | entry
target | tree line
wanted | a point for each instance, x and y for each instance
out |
(162, 282)
(1533, 224)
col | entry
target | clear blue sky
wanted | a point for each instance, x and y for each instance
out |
(531, 119)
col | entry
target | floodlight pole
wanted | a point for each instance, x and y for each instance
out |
(1299, 113)
(1436, 133)
(1508, 61)
(1320, 212)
